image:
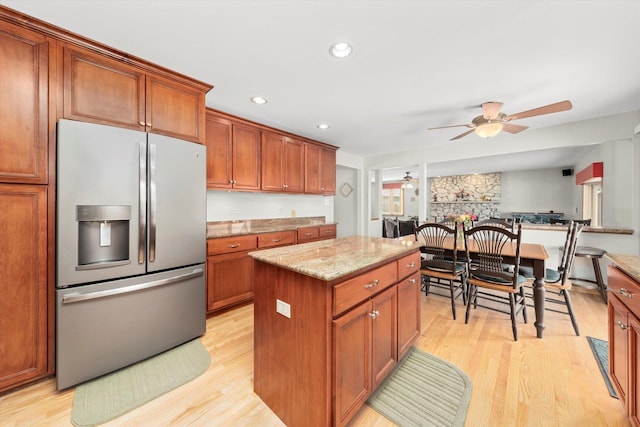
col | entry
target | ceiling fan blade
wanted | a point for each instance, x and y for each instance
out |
(462, 134)
(451, 126)
(511, 128)
(490, 110)
(547, 109)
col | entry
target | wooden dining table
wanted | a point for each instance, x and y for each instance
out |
(532, 255)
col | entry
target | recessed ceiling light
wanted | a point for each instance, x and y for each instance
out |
(323, 126)
(259, 100)
(340, 49)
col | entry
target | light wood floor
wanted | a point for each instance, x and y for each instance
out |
(552, 381)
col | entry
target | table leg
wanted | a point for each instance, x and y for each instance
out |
(539, 297)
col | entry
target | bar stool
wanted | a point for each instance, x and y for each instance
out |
(595, 254)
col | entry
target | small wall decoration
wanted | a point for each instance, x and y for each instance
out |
(346, 189)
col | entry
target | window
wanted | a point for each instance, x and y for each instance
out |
(592, 202)
(392, 199)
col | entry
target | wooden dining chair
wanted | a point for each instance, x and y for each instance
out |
(487, 272)
(557, 282)
(439, 268)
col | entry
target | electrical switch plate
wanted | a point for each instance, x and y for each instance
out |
(283, 308)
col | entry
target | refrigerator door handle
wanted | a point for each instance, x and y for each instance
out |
(142, 202)
(152, 202)
(71, 298)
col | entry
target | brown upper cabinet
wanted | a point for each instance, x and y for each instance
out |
(24, 105)
(103, 90)
(320, 170)
(233, 154)
(282, 163)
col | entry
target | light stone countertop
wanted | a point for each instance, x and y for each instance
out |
(331, 259)
(630, 264)
(218, 229)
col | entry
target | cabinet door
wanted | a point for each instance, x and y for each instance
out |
(352, 347)
(312, 169)
(229, 280)
(328, 172)
(618, 347)
(219, 152)
(24, 105)
(174, 109)
(384, 335)
(246, 157)
(408, 313)
(102, 90)
(272, 155)
(24, 326)
(293, 169)
(633, 398)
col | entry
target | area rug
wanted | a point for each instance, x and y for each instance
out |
(112, 395)
(600, 350)
(423, 390)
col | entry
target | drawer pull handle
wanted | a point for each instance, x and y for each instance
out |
(622, 325)
(411, 265)
(372, 285)
(623, 291)
(374, 314)
(141, 123)
(308, 234)
(275, 240)
(412, 280)
(233, 246)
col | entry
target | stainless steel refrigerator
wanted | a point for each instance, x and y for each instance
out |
(131, 247)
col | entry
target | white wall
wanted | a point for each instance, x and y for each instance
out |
(346, 207)
(236, 205)
(539, 190)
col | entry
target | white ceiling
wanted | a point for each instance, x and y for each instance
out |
(416, 64)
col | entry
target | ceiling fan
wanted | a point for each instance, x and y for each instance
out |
(492, 121)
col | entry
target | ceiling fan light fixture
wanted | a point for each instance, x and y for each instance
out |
(406, 181)
(489, 129)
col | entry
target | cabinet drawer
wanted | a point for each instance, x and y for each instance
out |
(625, 288)
(351, 292)
(408, 264)
(280, 238)
(228, 245)
(327, 231)
(307, 233)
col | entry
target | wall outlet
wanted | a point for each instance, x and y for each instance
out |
(293, 213)
(283, 308)
(234, 211)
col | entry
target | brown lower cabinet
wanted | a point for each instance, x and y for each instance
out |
(230, 278)
(624, 340)
(26, 323)
(318, 366)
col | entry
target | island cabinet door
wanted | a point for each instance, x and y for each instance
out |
(384, 329)
(352, 346)
(365, 351)
(618, 347)
(633, 398)
(408, 313)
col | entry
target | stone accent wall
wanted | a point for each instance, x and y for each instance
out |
(478, 194)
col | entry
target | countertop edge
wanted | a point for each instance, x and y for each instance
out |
(274, 229)
(630, 264)
(563, 228)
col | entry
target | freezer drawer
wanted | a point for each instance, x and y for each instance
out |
(103, 327)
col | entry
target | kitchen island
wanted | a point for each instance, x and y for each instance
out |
(331, 320)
